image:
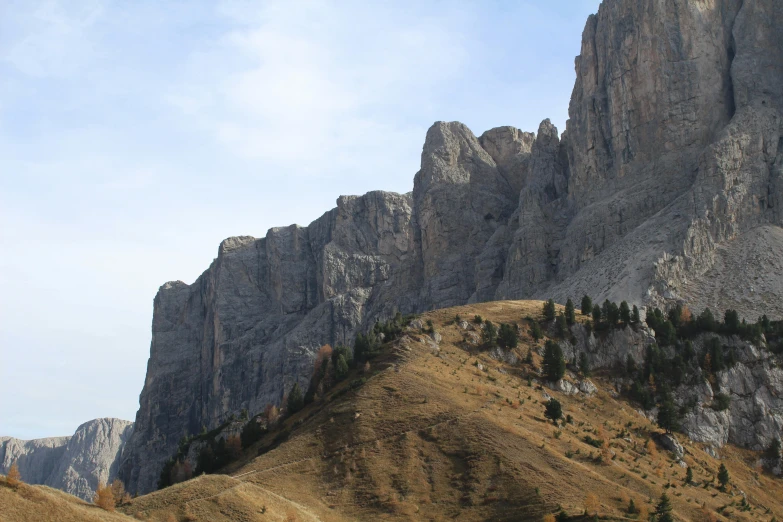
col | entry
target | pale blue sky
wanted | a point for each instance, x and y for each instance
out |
(135, 136)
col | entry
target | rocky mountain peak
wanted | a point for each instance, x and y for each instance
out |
(664, 188)
(74, 464)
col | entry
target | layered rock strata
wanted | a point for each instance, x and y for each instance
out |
(672, 156)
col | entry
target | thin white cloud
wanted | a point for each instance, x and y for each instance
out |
(318, 83)
(56, 38)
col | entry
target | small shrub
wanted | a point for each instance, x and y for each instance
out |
(591, 504)
(721, 402)
(477, 319)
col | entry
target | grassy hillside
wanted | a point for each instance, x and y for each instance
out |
(444, 431)
(27, 503)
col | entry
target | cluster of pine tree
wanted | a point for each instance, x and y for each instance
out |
(366, 346)
(506, 336)
(680, 323)
(610, 314)
(212, 456)
(331, 367)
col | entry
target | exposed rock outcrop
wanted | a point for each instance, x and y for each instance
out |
(755, 413)
(74, 464)
(671, 155)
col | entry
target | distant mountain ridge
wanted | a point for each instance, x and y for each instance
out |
(666, 186)
(74, 464)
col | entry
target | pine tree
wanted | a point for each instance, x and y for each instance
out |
(14, 478)
(549, 310)
(554, 363)
(635, 316)
(625, 313)
(507, 336)
(663, 512)
(570, 312)
(490, 333)
(554, 410)
(295, 399)
(535, 331)
(597, 315)
(667, 415)
(584, 364)
(587, 305)
(731, 321)
(689, 476)
(341, 368)
(773, 451)
(723, 476)
(632, 509)
(562, 324)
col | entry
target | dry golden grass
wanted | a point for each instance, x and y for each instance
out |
(26, 503)
(430, 436)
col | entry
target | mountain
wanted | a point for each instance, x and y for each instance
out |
(439, 426)
(74, 464)
(664, 188)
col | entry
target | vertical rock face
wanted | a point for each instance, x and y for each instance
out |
(671, 160)
(74, 464)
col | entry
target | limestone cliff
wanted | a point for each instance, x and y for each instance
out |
(671, 161)
(74, 464)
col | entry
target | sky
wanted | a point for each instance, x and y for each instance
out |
(135, 136)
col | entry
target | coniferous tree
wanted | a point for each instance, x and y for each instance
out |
(529, 357)
(635, 316)
(625, 313)
(597, 315)
(252, 432)
(723, 476)
(104, 498)
(570, 312)
(666, 333)
(614, 314)
(554, 363)
(706, 321)
(632, 509)
(562, 324)
(14, 478)
(120, 495)
(584, 364)
(553, 410)
(507, 336)
(549, 310)
(731, 321)
(610, 313)
(663, 512)
(490, 333)
(340, 368)
(587, 305)
(773, 451)
(295, 399)
(689, 476)
(535, 331)
(668, 415)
